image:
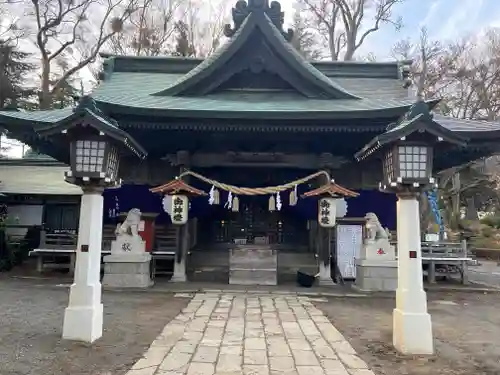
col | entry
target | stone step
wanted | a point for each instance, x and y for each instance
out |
(252, 259)
(253, 277)
(262, 261)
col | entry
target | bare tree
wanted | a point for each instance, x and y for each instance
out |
(10, 32)
(150, 29)
(476, 90)
(431, 62)
(204, 22)
(304, 40)
(346, 24)
(63, 25)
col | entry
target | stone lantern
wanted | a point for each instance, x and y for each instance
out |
(92, 144)
(406, 150)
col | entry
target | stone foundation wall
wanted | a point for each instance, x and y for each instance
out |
(376, 275)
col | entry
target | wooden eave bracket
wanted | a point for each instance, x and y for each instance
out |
(178, 186)
(332, 189)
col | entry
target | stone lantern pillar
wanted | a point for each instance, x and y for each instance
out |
(94, 145)
(406, 149)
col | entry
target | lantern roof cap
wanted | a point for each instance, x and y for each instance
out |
(418, 119)
(330, 190)
(178, 186)
(87, 113)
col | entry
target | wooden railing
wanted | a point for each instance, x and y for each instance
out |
(445, 249)
(58, 241)
(68, 240)
(442, 249)
(444, 258)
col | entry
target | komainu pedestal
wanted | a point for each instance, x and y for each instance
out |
(377, 267)
(129, 264)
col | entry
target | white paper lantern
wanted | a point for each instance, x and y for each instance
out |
(327, 212)
(179, 209)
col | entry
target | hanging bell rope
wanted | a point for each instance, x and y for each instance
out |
(236, 190)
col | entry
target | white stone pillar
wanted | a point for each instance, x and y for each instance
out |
(412, 327)
(84, 315)
(179, 275)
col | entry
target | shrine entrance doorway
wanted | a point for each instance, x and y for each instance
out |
(253, 223)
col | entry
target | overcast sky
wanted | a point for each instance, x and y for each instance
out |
(444, 20)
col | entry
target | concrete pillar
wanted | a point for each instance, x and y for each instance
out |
(84, 315)
(412, 327)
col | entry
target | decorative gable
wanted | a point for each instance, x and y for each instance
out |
(257, 57)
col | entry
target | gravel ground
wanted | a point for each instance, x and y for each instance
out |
(31, 317)
(466, 330)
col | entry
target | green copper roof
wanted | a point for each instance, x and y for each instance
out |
(35, 178)
(33, 155)
(34, 118)
(284, 61)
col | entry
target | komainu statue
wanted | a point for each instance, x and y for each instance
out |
(375, 229)
(130, 227)
(377, 243)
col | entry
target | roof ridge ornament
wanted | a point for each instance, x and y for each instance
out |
(88, 103)
(241, 11)
(419, 108)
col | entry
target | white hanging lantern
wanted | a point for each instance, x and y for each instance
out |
(179, 209)
(327, 212)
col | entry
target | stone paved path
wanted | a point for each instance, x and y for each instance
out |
(245, 334)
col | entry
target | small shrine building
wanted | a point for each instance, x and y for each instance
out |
(253, 114)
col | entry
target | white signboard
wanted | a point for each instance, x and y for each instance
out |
(349, 243)
(179, 209)
(326, 212)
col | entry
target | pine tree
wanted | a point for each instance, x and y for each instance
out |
(13, 70)
(13, 91)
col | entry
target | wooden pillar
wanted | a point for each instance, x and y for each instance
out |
(324, 239)
(324, 255)
(182, 247)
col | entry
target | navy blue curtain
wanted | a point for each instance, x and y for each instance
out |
(138, 196)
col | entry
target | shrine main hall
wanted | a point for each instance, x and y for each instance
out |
(254, 114)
